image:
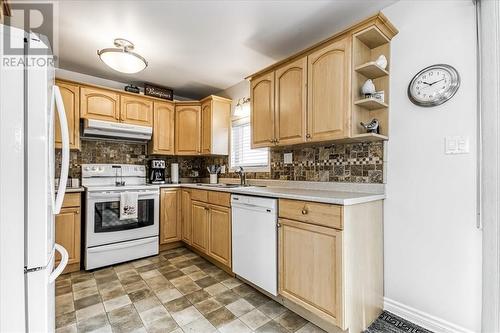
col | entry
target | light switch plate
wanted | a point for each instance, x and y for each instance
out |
(287, 158)
(456, 145)
(223, 169)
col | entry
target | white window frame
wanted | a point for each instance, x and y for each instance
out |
(239, 121)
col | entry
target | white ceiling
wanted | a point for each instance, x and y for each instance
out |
(199, 47)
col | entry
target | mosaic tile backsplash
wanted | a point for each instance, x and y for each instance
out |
(356, 162)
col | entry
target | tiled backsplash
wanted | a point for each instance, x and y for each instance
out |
(356, 162)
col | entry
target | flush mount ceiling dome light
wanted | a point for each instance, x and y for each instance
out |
(121, 58)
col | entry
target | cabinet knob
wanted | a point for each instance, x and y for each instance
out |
(308, 136)
(278, 225)
(304, 211)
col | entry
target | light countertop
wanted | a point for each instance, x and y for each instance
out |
(345, 198)
(74, 189)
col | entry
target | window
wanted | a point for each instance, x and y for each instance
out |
(242, 155)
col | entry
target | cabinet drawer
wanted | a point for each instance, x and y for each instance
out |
(71, 200)
(199, 195)
(311, 212)
(219, 198)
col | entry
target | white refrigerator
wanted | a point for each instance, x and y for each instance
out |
(28, 200)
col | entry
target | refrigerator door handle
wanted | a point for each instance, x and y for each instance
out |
(62, 265)
(63, 178)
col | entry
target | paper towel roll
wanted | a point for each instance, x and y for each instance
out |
(174, 173)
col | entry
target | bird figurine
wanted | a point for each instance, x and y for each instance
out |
(381, 61)
(371, 127)
(368, 88)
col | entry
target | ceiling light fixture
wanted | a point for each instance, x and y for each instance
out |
(121, 58)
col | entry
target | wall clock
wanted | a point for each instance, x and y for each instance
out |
(434, 85)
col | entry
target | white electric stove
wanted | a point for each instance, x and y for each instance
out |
(109, 240)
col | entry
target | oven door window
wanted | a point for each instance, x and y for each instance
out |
(107, 216)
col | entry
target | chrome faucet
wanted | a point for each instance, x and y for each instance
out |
(243, 177)
(120, 182)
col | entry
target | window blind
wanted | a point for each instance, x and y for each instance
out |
(241, 152)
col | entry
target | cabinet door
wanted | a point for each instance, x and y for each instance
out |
(67, 229)
(328, 92)
(99, 104)
(186, 216)
(313, 254)
(71, 98)
(163, 129)
(219, 234)
(290, 113)
(170, 224)
(187, 130)
(206, 127)
(199, 218)
(136, 110)
(262, 102)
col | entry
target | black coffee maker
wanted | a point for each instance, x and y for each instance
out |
(157, 172)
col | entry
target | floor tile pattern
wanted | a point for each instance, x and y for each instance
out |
(176, 291)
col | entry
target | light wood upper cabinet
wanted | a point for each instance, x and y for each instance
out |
(136, 110)
(291, 101)
(328, 92)
(186, 215)
(187, 129)
(170, 219)
(100, 104)
(206, 127)
(199, 223)
(162, 141)
(262, 118)
(71, 98)
(310, 268)
(215, 114)
(219, 238)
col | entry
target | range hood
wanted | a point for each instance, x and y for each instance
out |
(107, 129)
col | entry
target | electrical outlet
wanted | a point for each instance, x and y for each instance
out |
(287, 158)
(456, 145)
(223, 169)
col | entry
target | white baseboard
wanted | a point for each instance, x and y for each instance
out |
(423, 319)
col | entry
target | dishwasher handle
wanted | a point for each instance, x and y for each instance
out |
(253, 207)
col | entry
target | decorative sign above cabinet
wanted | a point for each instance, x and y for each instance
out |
(160, 92)
(434, 85)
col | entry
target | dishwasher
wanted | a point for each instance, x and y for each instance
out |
(254, 240)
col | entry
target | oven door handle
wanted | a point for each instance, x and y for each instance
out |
(118, 245)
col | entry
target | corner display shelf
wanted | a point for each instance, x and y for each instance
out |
(371, 70)
(370, 103)
(368, 45)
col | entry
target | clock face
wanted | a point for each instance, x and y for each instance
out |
(434, 85)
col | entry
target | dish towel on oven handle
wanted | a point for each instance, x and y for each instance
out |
(128, 205)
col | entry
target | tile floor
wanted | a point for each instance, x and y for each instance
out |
(176, 291)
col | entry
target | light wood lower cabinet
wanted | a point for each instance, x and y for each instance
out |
(310, 272)
(331, 262)
(199, 218)
(186, 216)
(211, 225)
(170, 217)
(68, 231)
(219, 234)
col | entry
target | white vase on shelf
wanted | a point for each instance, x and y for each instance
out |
(381, 61)
(368, 88)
